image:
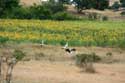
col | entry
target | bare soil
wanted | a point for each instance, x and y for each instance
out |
(56, 66)
(65, 72)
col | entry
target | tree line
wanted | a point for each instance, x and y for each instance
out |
(52, 9)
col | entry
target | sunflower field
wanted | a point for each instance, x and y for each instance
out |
(76, 33)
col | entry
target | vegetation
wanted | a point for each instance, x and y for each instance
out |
(123, 13)
(64, 16)
(85, 61)
(122, 3)
(77, 33)
(116, 5)
(3, 39)
(87, 4)
(10, 62)
(7, 6)
(46, 10)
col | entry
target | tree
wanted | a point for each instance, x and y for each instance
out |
(87, 4)
(8, 5)
(64, 1)
(54, 6)
(81, 4)
(101, 4)
(10, 62)
(122, 3)
(116, 5)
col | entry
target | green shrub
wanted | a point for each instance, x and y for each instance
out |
(18, 54)
(104, 18)
(3, 39)
(122, 3)
(7, 6)
(40, 12)
(116, 5)
(64, 16)
(54, 6)
(123, 13)
(21, 13)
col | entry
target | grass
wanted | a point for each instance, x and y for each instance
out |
(77, 33)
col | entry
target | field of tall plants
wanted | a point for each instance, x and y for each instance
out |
(76, 33)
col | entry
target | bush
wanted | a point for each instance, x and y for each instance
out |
(64, 16)
(3, 39)
(122, 3)
(97, 16)
(104, 18)
(123, 13)
(93, 16)
(40, 12)
(85, 61)
(80, 58)
(18, 55)
(7, 6)
(43, 11)
(54, 6)
(87, 4)
(20, 13)
(116, 5)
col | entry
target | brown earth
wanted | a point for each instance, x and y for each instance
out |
(56, 66)
(65, 72)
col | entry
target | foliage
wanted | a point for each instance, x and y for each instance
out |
(11, 9)
(64, 1)
(3, 39)
(8, 6)
(81, 4)
(101, 4)
(87, 4)
(19, 55)
(83, 58)
(40, 12)
(116, 5)
(54, 6)
(104, 18)
(64, 16)
(122, 3)
(77, 33)
(86, 61)
(123, 13)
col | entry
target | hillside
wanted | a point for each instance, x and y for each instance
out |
(30, 2)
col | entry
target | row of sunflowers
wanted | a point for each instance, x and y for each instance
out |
(77, 33)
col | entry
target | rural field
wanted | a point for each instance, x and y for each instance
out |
(62, 41)
(76, 33)
(52, 64)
